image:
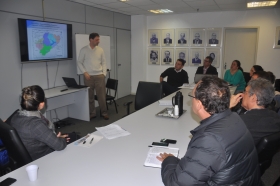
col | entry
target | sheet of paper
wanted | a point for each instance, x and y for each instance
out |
(112, 131)
(90, 141)
(165, 102)
(152, 161)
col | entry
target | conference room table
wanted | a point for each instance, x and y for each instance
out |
(116, 162)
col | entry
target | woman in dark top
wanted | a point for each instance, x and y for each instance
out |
(255, 68)
(35, 131)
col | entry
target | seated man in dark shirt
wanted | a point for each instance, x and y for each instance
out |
(207, 68)
(176, 77)
(259, 120)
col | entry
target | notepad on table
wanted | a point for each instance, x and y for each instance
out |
(152, 161)
(112, 131)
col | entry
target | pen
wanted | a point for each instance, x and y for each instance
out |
(91, 140)
(84, 141)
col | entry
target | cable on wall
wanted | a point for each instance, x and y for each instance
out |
(56, 73)
(47, 69)
(21, 75)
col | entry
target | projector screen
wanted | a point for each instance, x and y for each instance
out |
(44, 41)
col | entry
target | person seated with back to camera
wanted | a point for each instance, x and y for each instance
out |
(36, 132)
(259, 120)
(221, 150)
(176, 77)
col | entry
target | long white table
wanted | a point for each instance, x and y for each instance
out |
(117, 162)
(76, 101)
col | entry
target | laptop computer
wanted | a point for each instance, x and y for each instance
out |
(71, 83)
(198, 77)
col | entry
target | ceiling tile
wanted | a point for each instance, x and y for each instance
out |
(102, 1)
(140, 2)
(151, 7)
(130, 9)
(233, 6)
(166, 1)
(220, 2)
(116, 5)
(196, 4)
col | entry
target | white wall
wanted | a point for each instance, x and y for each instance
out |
(267, 20)
(84, 19)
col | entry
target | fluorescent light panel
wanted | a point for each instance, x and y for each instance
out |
(261, 4)
(161, 11)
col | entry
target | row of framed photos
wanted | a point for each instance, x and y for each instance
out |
(192, 56)
(195, 37)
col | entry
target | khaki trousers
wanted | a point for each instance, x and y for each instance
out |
(97, 83)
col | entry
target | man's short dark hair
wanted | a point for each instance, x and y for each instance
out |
(210, 59)
(266, 75)
(182, 61)
(93, 35)
(263, 89)
(214, 94)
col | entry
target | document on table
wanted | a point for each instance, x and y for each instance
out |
(152, 161)
(112, 131)
(165, 102)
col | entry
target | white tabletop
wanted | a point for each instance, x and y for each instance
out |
(117, 162)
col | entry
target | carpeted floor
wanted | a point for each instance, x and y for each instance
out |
(84, 127)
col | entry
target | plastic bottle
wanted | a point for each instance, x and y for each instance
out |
(176, 110)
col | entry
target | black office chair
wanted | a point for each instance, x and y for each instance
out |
(267, 148)
(8, 121)
(146, 94)
(277, 85)
(247, 76)
(15, 147)
(112, 84)
(277, 183)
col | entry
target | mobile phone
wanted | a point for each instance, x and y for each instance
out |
(7, 182)
(160, 144)
(168, 141)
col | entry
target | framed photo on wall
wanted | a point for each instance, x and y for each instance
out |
(182, 53)
(215, 53)
(167, 56)
(182, 37)
(153, 56)
(197, 37)
(196, 56)
(154, 37)
(277, 38)
(214, 37)
(167, 37)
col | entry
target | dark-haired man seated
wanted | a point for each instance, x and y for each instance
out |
(176, 77)
(259, 120)
(207, 68)
(221, 151)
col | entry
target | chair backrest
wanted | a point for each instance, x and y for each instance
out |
(8, 121)
(247, 76)
(267, 148)
(147, 93)
(277, 84)
(112, 84)
(14, 145)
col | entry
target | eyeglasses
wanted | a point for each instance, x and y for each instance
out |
(191, 95)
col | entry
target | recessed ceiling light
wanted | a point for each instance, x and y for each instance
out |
(123, 0)
(261, 4)
(161, 11)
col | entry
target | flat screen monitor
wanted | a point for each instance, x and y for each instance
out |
(44, 41)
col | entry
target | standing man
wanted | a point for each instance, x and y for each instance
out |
(221, 150)
(176, 77)
(92, 63)
(207, 68)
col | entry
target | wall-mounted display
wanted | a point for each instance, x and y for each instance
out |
(153, 56)
(182, 37)
(214, 37)
(167, 55)
(215, 54)
(154, 37)
(196, 56)
(277, 38)
(182, 53)
(198, 37)
(167, 37)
